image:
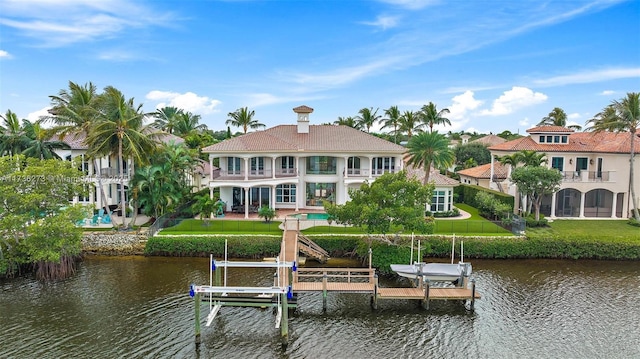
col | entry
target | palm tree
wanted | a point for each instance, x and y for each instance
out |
(187, 124)
(367, 118)
(166, 118)
(409, 123)
(40, 144)
(531, 158)
(347, 121)
(431, 116)
(557, 117)
(429, 149)
(13, 139)
(243, 118)
(392, 120)
(622, 116)
(119, 130)
(156, 188)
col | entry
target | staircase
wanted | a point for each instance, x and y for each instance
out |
(311, 249)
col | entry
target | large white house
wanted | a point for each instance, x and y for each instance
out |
(594, 166)
(298, 166)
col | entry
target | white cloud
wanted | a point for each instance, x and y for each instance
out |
(4, 55)
(411, 4)
(187, 101)
(462, 104)
(384, 22)
(590, 77)
(607, 93)
(514, 99)
(524, 122)
(35, 116)
(573, 116)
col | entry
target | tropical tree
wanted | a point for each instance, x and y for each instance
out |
(430, 116)
(367, 117)
(410, 123)
(531, 158)
(119, 130)
(536, 182)
(475, 151)
(557, 117)
(158, 188)
(391, 200)
(392, 120)
(429, 149)
(40, 144)
(13, 139)
(348, 121)
(623, 116)
(166, 118)
(188, 123)
(243, 118)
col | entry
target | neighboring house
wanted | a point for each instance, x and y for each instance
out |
(108, 171)
(442, 199)
(489, 140)
(298, 166)
(595, 169)
(481, 175)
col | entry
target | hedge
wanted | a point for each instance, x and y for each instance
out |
(467, 195)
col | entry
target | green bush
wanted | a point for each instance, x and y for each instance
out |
(466, 194)
(198, 246)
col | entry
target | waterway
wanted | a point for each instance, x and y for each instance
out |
(139, 307)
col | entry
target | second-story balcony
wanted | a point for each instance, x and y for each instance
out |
(588, 176)
(358, 172)
(256, 174)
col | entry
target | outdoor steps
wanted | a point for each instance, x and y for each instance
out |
(311, 249)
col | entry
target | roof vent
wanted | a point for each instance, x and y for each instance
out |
(303, 118)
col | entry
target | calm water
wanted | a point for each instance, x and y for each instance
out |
(137, 307)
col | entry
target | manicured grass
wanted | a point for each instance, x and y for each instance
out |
(197, 226)
(606, 230)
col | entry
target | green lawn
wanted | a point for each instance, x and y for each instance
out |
(604, 229)
(197, 226)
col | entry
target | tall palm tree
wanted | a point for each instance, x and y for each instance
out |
(429, 149)
(431, 116)
(13, 139)
(187, 123)
(410, 123)
(367, 117)
(40, 144)
(392, 120)
(531, 158)
(623, 116)
(166, 118)
(557, 117)
(119, 130)
(347, 121)
(243, 118)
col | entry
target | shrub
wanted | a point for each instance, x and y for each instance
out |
(267, 213)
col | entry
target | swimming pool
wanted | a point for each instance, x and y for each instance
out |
(312, 216)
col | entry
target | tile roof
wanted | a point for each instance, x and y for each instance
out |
(76, 140)
(592, 142)
(435, 177)
(490, 140)
(539, 129)
(321, 138)
(484, 171)
(302, 109)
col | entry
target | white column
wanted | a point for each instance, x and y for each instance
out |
(246, 202)
(370, 159)
(491, 184)
(246, 169)
(210, 168)
(345, 174)
(582, 196)
(553, 204)
(273, 197)
(273, 169)
(614, 204)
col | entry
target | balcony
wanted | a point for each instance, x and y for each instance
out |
(587, 176)
(358, 172)
(255, 174)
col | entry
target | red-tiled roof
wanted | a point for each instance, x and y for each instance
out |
(490, 140)
(76, 140)
(484, 171)
(556, 129)
(438, 179)
(302, 109)
(321, 138)
(592, 142)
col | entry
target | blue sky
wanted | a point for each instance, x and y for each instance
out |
(496, 64)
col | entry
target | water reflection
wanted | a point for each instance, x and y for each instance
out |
(138, 307)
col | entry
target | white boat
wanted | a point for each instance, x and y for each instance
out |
(435, 272)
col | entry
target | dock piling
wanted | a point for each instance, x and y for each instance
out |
(197, 301)
(473, 293)
(324, 292)
(425, 302)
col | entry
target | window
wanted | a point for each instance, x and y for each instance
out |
(257, 165)
(288, 164)
(321, 165)
(581, 163)
(353, 166)
(286, 193)
(564, 139)
(556, 139)
(557, 163)
(316, 192)
(541, 139)
(549, 139)
(438, 201)
(380, 165)
(233, 165)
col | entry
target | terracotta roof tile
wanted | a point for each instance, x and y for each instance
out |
(484, 171)
(490, 140)
(435, 177)
(591, 142)
(302, 109)
(539, 129)
(321, 138)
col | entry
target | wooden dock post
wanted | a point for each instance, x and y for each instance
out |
(425, 302)
(197, 300)
(324, 291)
(473, 293)
(284, 323)
(374, 297)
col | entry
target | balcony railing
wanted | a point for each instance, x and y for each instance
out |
(358, 172)
(256, 174)
(587, 176)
